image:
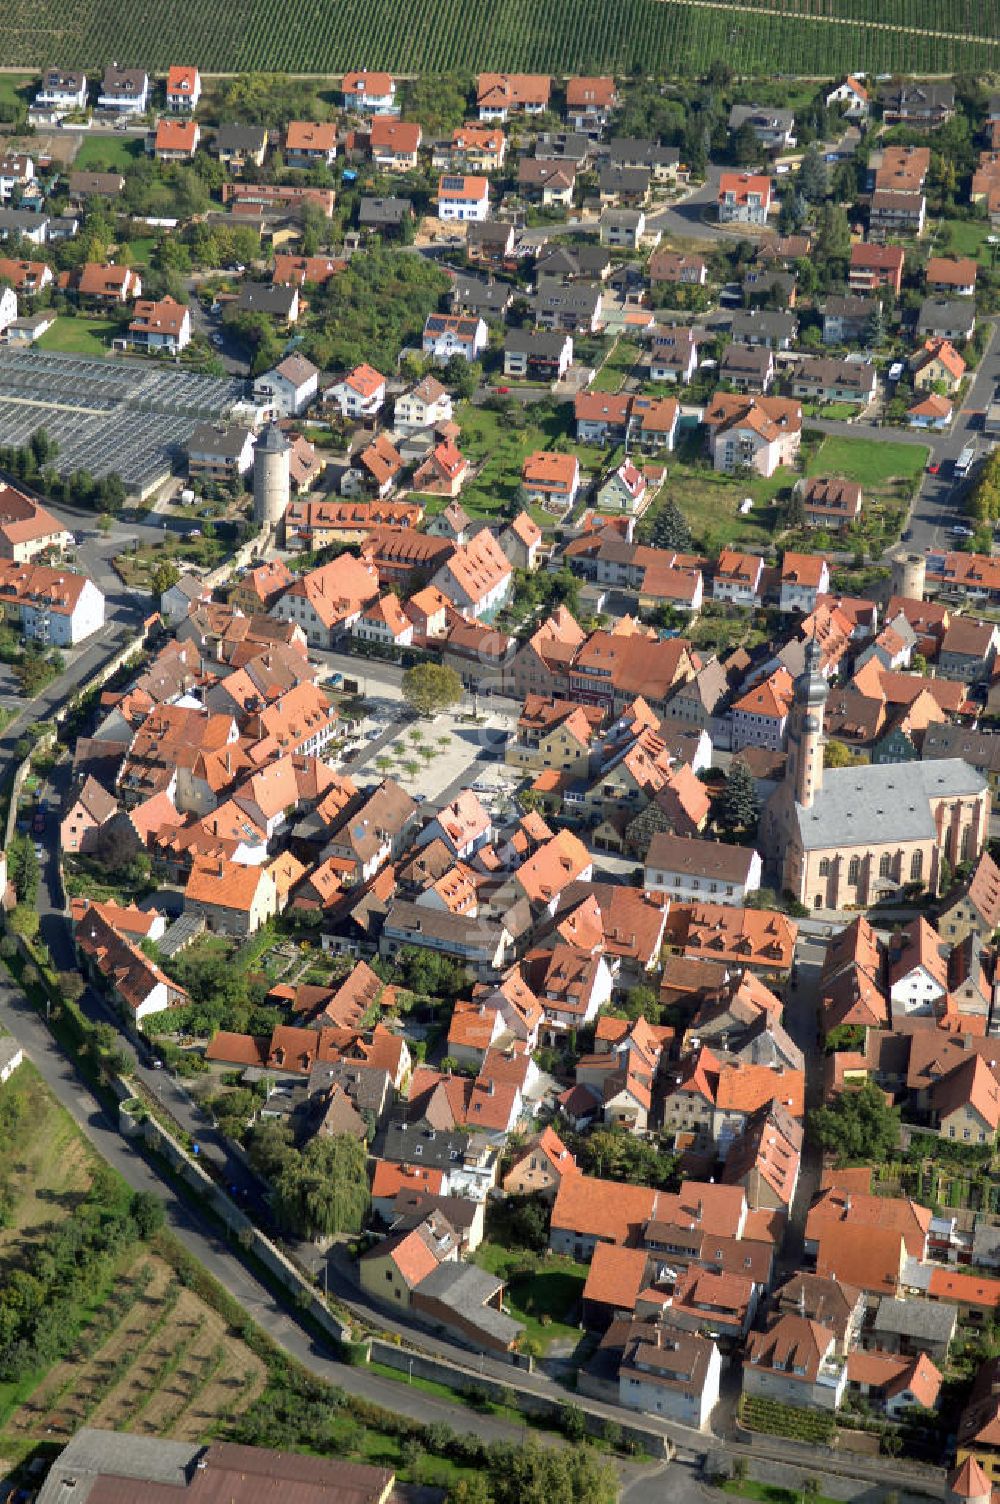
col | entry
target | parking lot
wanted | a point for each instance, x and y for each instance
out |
(131, 417)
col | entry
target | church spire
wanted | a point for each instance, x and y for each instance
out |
(805, 732)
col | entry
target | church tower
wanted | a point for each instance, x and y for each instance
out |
(805, 730)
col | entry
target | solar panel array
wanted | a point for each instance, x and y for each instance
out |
(131, 417)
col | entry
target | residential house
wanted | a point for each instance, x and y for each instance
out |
(952, 276)
(448, 334)
(500, 95)
(945, 318)
(535, 354)
(918, 104)
(674, 355)
(744, 198)
(748, 368)
(231, 899)
(183, 89)
(968, 649)
(309, 143)
(759, 433)
(830, 502)
(846, 319)
(474, 148)
(477, 578)
(359, 394)
(220, 454)
(804, 577)
(590, 102)
(176, 140)
(289, 389)
(937, 363)
(463, 199)
(424, 406)
(61, 91)
(773, 128)
(820, 380)
(795, 1362)
(369, 93)
(852, 97)
(551, 480)
(124, 91)
(546, 182)
(684, 869)
(395, 144)
(163, 326)
(240, 146)
(872, 267)
(575, 309)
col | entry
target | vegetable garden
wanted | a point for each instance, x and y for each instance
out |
(810, 37)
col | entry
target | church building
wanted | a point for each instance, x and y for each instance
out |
(836, 837)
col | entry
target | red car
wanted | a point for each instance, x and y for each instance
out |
(933, 468)
(502, 391)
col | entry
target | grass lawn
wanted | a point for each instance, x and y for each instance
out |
(139, 251)
(79, 336)
(17, 88)
(619, 364)
(768, 1493)
(872, 462)
(546, 1301)
(499, 443)
(109, 153)
(711, 501)
(966, 237)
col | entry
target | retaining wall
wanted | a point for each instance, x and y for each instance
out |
(406, 1360)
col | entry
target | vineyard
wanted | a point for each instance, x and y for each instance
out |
(669, 37)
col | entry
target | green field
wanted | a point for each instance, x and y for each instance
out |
(670, 37)
(109, 153)
(81, 336)
(871, 462)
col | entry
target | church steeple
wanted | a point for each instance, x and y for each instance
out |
(805, 731)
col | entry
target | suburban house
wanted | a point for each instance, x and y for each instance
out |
(310, 142)
(758, 433)
(183, 90)
(547, 477)
(163, 326)
(500, 95)
(359, 394)
(448, 334)
(744, 198)
(370, 93)
(289, 388)
(463, 198)
(124, 91)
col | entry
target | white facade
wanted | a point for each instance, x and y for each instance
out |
(687, 887)
(798, 596)
(411, 413)
(443, 344)
(469, 208)
(62, 93)
(135, 102)
(688, 1405)
(354, 403)
(368, 630)
(282, 397)
(63, 629)
(15, 171)
(916, 991)
(8, 307)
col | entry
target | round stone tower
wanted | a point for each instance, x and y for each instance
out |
(271, 476)
(909, 576)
